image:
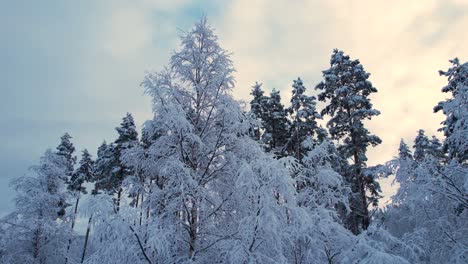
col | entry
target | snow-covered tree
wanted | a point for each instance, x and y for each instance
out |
(110, 170)
(455, 126)
(276, 125)
(107, 165)
(219, 190)
(346, 89)
(321, 184)
(403, 151)
(429, 209)
(303, 118)
(66, 150)
(201, 123)
(421, 146)
(35, 231)
(435, 148)
(84, 173)
(127, 132)
(258, 108)
(262, 199)
(315, 231)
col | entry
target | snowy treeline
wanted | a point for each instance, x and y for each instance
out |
(210, 180)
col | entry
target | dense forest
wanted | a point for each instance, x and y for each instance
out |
(213, 180)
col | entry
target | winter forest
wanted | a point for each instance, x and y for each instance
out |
(210, 179)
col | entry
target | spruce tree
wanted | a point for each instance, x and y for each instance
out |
(83, 174)
(404, 151)
(66, 150)
(304, 117)
(346, 88)
(421, 146)
(436, 148)
(455, 125)
(258, 109)
(110, 170)
(127, 132)
(276, 125)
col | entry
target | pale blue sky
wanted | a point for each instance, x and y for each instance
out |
(75, 66)
(59, 72)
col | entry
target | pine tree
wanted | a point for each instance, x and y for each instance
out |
(276, 125)
(455, 125)
(435, 148)
(346, 88)
(66, 150)
(258, 109)
(421, 146)
(127, 131)
(303, 115)
(404, 151)
(110, 170)
(84, 173)
(100, 166)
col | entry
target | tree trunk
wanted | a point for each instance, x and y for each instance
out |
(193, 230)
(119, 194)
(141, 209)
(86, 239)
(365, 219)
(362, 193)
(36, 242)
(73, 225)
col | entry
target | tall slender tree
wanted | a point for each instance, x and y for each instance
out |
(421, 146)
(110, 170)
(346, 89)
(404, 151)
(67, 150)
(276, 125)
(455, 125)
(258, 109)
(84, 173)
(304, 117)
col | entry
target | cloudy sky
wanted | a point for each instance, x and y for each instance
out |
(76, 65)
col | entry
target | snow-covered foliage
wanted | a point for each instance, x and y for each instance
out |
(455, 126)
(258, 109)
(35, 232)
(110, 171)
(276, 125)
(304, 117)
(430, 208)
